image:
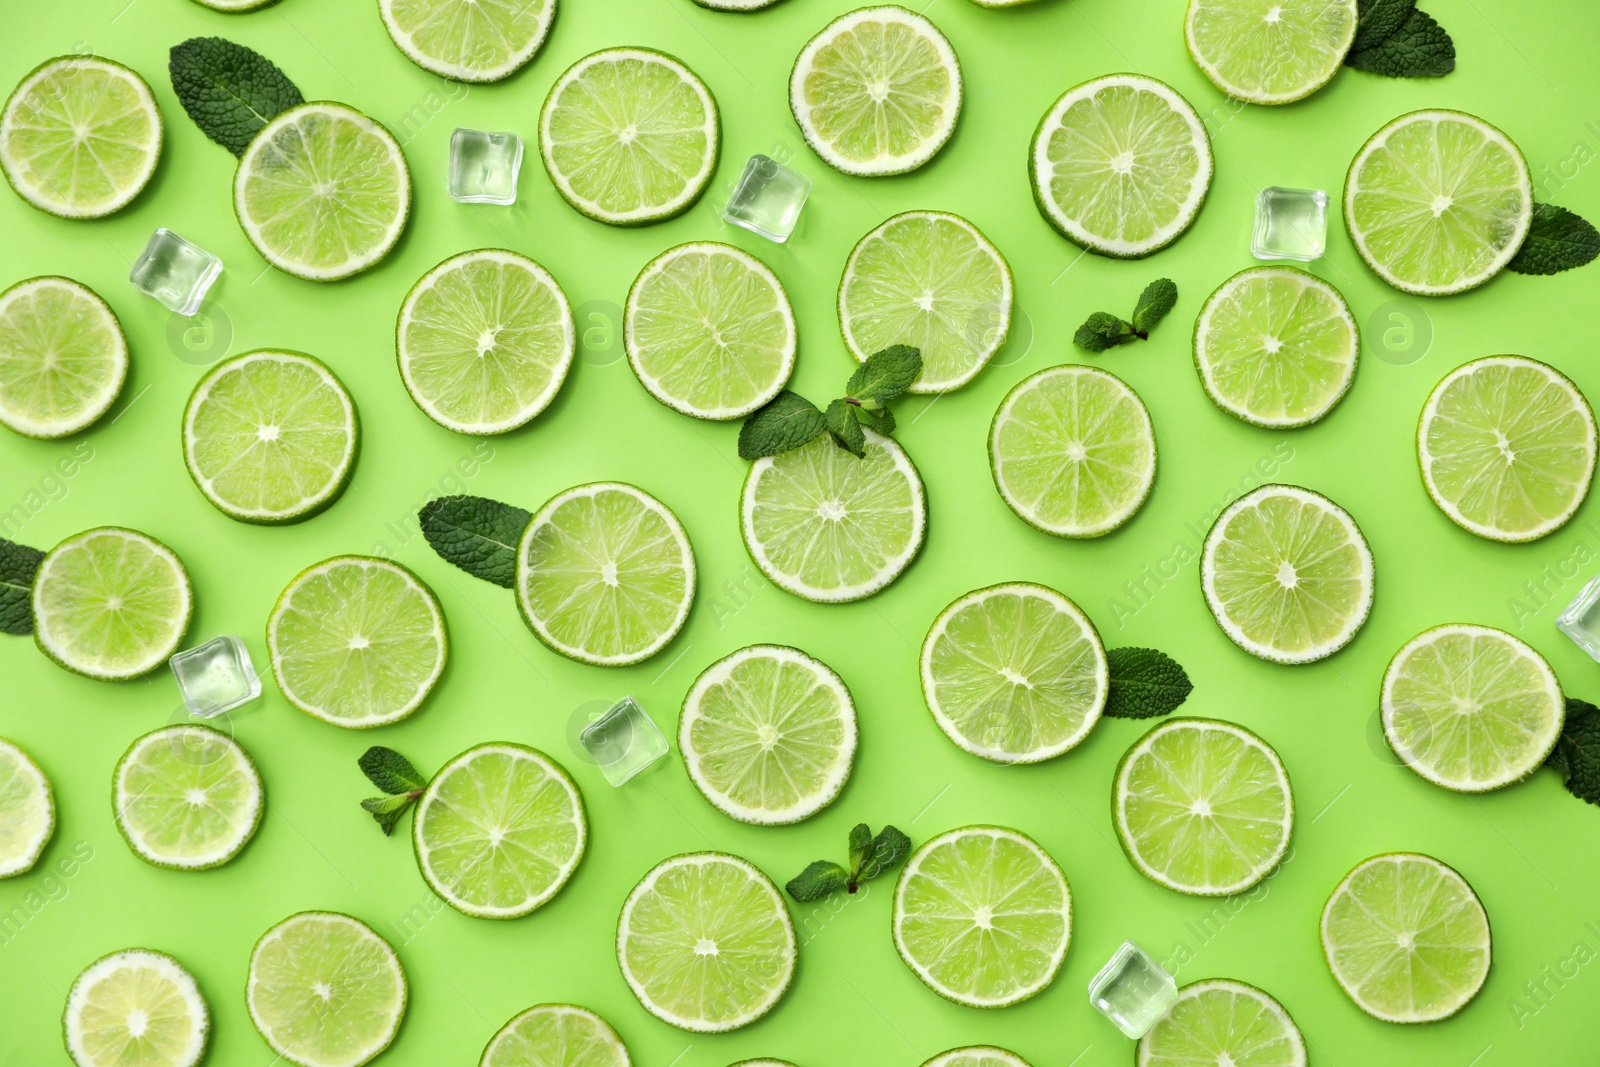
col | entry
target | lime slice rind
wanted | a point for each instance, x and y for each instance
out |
(978, 1055)
(556, 1035)
(1225, 1022)
(468, 40)
(27, 811)
(1270, 51)
(136, 1007)
(63, 357)
(187, 797)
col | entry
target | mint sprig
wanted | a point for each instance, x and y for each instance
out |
(869, 856)
(1103, 330)
(1145, 682)
(394, 774)
(477, 534)
(1397, 39)
(1557, 240)
(18, 564)
(789, 420)
(229, 90)
(1576, 756)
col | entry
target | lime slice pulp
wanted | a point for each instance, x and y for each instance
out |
(1270, 51)
(136, 1008)
(187, 797)
(468, 40)
(556, 1035)
(1223, 1022)
(27, 811)
(63, 357)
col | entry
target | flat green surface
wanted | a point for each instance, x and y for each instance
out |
(1530, 850)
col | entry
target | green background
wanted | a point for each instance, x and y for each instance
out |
(1530, 850)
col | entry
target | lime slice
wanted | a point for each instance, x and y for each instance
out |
(1507, 447)
(1072, 451)
(1014, 673)
(737, 5)
(322, 191)
(499, 831)
(709, 331)
(1438, 202)
(1287, 574)
(111, 603)
(356, 641)
(1121, 165)
(231, 6)
(270, 437)
(977, 1055)
(768, 735)
(1270, 51)
(27, 811)
(136, 1008)
(325, 990)
(1223, 1022)
(605, 574)
(63, 357)
(706, 943)
(629, 136)
(556, 1035)
(829, 527)
(187, 797)
(1203, 807)
(930, 280)
(1471, 708)
(80, 136)
(877, 91)
(1407, 938)
(468, 40)
(1276, 347)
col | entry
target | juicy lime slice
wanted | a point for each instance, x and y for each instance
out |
(1276, 347)
(325, 990)
(1072, 451)
(1203, 807)
(736, 5)
(468, 40)
(1438, 202)
(485, 340)
(1014, 673)
(709, 331)
(1507, 447)
(829, 527)
(629, 136)
(80, 136)
(1287, 574)
(1223, 1022)
(231, 6)
(1270, 51)
(270, 437)
(768, 734)
(1121, 165)
(322, 191)
(705, 942)
(877, 91)
(111, 603)
(27, 811)
(356, 641)
(977, 1055)
(63, 357)
(983, 916)
(187, 797)
(556, 1035)
(1471, 708)
(499, 831)
(930, 280)
(1407, 938)
(136, 1008)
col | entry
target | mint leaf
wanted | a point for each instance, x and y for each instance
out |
(1419, 48)
(860, 847)
(1102, 331)
(1558, 240)
(1154, 303)
(846, 428)
(882, 421)
(477, 534)
(1576, 756)
(817, 881)
(228, 90)
(1378, 20)
(387, 810)
(885, 375)
(390, 771)
(1145, 682)
(787, 421)
(888, 849)
(18, 563)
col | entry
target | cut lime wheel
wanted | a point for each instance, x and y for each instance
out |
(556, 1035)
(1438, 202)
(1203, 807)
(1121, 165)
(1507, 448)
(468, 40)
(1014, 673)
(27, 811)
(232, 6)
(1276, 347)
(1287, 574)
(709, 331)
(484, 341)
(829, 527)
(1223, 1022)
(977, 1055)
(768, 734)
(322, 191)
(1470, 708)
(877, 91)
(1073, 451)
(927, 279)
(983, 916)
(325, 991)
(706, 943)
(136, 1008)
(499, 831)
(629, 136)
(356, 641)
(80, 136)
(63, 357)
(1406, 938)
(1270, 51)
(605, 574)
(111, 603)
(187, 797)
(736, 5)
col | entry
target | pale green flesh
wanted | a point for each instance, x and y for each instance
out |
(1271, 51)
(325, 990)
(27, 812)
(62, 358)
(466, 36)
(556, 1035)
(1222, 1022)
(109, 604)
(976, 1057)
(187, 797)
(137, 1016)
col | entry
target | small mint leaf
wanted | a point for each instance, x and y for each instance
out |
(882, 420)
(885, 375)
(787, 421)
(1557, 240)
(18, 564)
(390, 771)
(817, 881)
(1378, 20)
(860, 847)
(1145, 682)
(1576, 756)
(228, 90)
(846, 428)
(1101, 331)
(1154, 303)
(888, 849)
(1420, 48)
(387, 810)
(477, 534)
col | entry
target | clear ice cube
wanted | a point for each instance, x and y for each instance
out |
(178, 273)
(484, 167)
(623, 741)
(1290, 224)
(215, 677)
(1580, 620)
(768, 198)
(1132, 990)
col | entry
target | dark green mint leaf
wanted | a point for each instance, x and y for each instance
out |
(390, 771)
(18, 563)
(477, 534)
(1154, 303)
(1420, 48)
(788, 421)
(387, 810)
(888, 849)
(885, 375)
(1558, 240)
(1102, 331)
(882, 420)
(846, 428)
(1379, 20)
(1145, 683)
(817, 881)
(229, 91)
(1577, 753)
(860, 847)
